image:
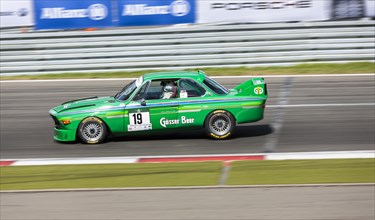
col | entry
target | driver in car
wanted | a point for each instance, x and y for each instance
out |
(169, 90)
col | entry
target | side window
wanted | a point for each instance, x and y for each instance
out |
(190, 88)
(162, 89)
(154, 92)
(215, 86)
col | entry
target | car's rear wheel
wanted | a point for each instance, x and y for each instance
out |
(92, 130)
(219, 124)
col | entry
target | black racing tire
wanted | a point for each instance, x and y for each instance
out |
(220, 124)
(92, 130)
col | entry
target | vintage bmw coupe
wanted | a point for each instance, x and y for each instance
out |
(161, 101)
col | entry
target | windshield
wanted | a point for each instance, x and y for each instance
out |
(125, 93)
(215, 86)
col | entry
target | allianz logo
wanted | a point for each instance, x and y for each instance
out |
(94, 12)
(177, 8)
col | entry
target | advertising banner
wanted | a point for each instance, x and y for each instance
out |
(242, 11)
(67, 14)
(344, 9)
(155, 12)
(16, 13)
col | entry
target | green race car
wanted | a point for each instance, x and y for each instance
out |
(160, 101)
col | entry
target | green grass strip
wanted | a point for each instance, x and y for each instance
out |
(302, 172)
(319, 68)
(187, 174)
(110, 175)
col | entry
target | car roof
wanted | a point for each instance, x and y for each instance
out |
(196, 75)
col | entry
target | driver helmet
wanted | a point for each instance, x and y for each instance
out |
(168, 87)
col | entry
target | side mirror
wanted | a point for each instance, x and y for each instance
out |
(143, 102)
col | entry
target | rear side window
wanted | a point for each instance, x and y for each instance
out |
(215, 86)
(192, 88)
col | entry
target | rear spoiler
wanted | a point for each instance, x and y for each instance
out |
(252, 87)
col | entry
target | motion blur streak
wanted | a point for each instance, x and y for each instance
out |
(322, 105)
(278, 117)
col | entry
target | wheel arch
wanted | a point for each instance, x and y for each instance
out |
(109, 131)
(216, 110)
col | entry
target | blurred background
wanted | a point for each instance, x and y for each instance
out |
(303, 114)
(47, 36)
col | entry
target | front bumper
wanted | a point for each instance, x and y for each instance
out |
(61, 132)
(64, 135)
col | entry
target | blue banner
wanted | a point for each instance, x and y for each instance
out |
(155, 12)
(66, 14)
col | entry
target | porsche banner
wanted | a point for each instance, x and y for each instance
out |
(229, 11)
(370, 8)
(16, 13)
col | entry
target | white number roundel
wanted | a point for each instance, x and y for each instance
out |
(258, 90)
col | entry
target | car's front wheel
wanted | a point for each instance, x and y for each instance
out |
(92, 130)
(219, 124)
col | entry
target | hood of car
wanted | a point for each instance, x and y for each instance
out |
(85, 103)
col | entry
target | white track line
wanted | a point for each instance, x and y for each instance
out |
(321, 155)
(321, 105)
(215, 77)
(66, 80)
(78, 161)
(304, 75)
(187, 187)
(136, 159)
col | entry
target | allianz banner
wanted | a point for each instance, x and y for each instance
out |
(155, 12)
(16, 13)
(241, 11)
(66, 14)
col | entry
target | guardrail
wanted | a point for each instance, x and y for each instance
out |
(183, 47)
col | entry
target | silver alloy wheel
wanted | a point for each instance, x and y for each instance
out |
(92, 131)
(220, 124)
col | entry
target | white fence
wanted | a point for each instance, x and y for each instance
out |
(184, 47)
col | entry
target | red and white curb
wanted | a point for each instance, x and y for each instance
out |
(190, 158)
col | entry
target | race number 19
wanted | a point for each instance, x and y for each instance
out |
(139, 118)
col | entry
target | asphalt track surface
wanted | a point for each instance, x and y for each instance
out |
(285, 203)
(302, 114)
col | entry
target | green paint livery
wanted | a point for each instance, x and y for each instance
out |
(162, 101)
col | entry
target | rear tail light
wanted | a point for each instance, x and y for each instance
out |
(265, 89)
